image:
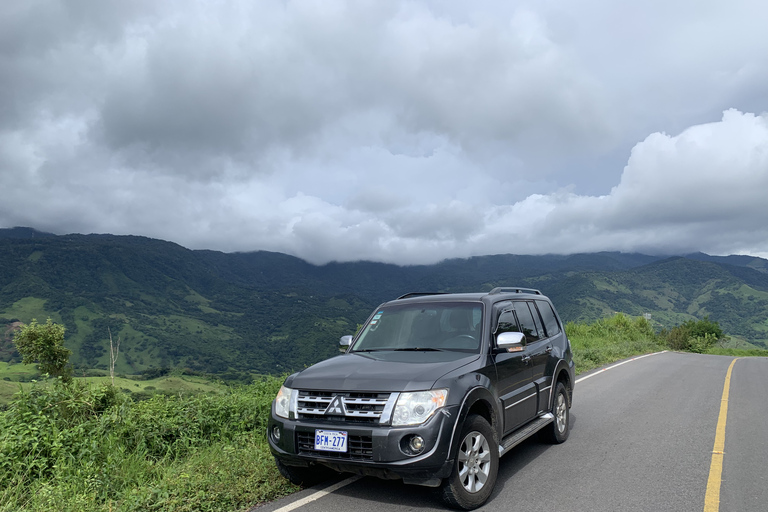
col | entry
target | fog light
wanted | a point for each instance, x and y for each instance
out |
(276, 433)
(417, 443)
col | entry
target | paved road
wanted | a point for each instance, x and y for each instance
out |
(641, 440)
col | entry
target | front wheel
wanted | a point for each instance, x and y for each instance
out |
(477, 463)
(558, 432)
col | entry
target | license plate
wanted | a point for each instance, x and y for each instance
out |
(331, 440)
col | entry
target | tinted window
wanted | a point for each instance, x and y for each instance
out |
(526, 322)
(536, 320)
(548, 315)
(507, 322)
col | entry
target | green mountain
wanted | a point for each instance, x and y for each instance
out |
(270, 312)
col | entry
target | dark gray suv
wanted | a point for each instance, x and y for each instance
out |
(432, 390)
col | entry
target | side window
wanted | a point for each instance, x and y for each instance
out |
(536, 320)
(548, 315)
(507, 322)
(526, 322)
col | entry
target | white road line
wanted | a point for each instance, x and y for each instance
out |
(317, 495)
(619, 364)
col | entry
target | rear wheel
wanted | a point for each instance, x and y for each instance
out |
(558, 432)
(477, 463)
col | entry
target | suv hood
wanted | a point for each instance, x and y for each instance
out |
(380, 371)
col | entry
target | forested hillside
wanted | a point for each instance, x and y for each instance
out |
(269, 312)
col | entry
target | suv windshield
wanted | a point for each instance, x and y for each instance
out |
(437, 326)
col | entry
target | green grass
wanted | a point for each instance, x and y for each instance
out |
(736, 342)
(16, 371)
(170, 384)
(88, 448)
(11, 376)
(611, 339)
(29, 308)
(620, 337)
(737, 352)
(19, 375)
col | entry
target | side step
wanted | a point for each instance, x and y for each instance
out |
(524, 433)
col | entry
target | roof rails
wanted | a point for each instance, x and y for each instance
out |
(419, 294)
(505, 289)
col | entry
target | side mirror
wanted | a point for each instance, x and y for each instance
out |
(511, 341)
(344, 343)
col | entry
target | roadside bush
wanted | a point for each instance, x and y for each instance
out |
(48, 426)
(610, 339)
(694, 335)
(74, 447)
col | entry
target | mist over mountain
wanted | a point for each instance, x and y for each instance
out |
(270, 313)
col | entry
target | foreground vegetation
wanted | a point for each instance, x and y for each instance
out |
(621, 336)
(611, 339)
(82, 447)
(91, 446)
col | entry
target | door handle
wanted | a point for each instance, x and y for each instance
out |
(525, 359)
(549, 350)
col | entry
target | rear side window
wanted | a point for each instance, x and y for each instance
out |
(537, 320)
(548, 316)
(527, 324)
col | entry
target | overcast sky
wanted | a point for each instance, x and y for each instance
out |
(404, 132)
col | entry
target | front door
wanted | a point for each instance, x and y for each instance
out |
(515, 386)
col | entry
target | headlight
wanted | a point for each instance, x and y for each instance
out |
(416, 408)
(283, 402)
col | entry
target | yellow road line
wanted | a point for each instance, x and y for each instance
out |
(712, 498)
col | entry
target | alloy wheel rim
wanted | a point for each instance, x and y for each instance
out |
(561, 413)
(474, 462)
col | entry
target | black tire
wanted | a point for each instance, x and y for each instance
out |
(474, 471)
(558, 432)
(305, 477)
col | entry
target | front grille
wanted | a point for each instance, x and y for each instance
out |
(358, 447)
(352, 406)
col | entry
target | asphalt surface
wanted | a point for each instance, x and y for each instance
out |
(641, 439)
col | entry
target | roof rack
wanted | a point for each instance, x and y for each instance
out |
(419, 294)
(505, 289)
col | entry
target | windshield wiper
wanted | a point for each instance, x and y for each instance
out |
(392, 349)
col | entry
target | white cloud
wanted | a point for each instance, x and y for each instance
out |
(395, 131)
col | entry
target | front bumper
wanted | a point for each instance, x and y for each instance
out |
(373, 449)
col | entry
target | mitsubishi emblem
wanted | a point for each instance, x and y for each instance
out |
(336, 407)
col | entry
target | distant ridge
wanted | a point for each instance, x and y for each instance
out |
(23, 233)
(270, 312)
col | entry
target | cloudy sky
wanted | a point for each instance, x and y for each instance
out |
(405, 132)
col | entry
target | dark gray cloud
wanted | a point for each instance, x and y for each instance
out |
(396, 131)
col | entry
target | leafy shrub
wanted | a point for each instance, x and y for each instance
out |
(77, 447)
(610, 339)
(47, 424)
(694, 335)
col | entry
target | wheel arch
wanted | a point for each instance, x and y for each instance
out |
(562, 374)
(478, 401)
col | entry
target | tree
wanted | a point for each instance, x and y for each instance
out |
(44, 345)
